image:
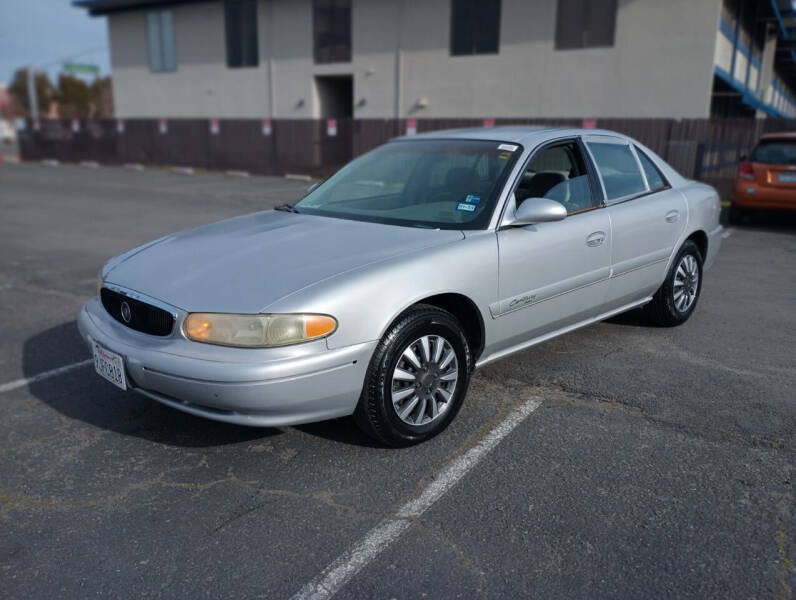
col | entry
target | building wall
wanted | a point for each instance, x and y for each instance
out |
(660, 66)
(202, 85)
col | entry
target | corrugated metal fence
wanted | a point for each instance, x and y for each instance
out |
(700, 148)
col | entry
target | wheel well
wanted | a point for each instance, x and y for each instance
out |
(700, 238)
(467, 313)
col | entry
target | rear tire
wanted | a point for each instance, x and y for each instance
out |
(676, 299)
(417, 379)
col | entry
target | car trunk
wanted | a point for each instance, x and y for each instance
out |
(779, 176)
(774, 163)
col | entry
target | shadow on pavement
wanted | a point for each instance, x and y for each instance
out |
(343, 430)
(84, 396)
(766, 221)
(632, 318)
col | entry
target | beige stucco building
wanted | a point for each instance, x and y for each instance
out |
(300, 59)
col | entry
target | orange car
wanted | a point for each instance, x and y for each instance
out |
(767, 181)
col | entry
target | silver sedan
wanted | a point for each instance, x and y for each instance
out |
(380, 291)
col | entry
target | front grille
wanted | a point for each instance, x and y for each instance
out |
(143, 317)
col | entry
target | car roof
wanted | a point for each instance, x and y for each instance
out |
(519, 134)
(530, 136)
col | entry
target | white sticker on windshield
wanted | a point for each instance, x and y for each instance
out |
(509, 147)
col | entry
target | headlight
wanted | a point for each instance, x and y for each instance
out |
(257, 331)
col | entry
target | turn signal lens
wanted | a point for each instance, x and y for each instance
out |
(746, 171)
(257, 331)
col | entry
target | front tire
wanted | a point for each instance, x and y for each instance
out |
(417, 379)
(676, 299)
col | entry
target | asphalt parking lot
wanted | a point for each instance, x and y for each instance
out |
(658, 463)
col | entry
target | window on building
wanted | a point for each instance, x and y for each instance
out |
(585, 23)
(160, 36)
(331, 21)
(240, 19)
(475, 27)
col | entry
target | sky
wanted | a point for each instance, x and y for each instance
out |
(46, 31)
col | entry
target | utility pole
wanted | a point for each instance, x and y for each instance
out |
(32, 99)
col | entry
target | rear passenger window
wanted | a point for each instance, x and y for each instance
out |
(618, 169)
(654, 176)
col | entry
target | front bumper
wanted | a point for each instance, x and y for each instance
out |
(257, 387)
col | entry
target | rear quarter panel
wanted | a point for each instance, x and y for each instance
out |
(703, 208)
(704, 211)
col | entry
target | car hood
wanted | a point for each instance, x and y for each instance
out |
(247, 263)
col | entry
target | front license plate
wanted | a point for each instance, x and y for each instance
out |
(110, 366)
(787, 177)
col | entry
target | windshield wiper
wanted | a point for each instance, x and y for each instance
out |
(287, 208)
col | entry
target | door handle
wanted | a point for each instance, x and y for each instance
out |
(595, 239)
(673, 216)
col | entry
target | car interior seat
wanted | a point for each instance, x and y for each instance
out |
(537, 185)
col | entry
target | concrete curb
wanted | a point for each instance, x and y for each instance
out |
(297, 177)
(50, 162)
(90, 164)
(134, 166)
(182, 170)
(237, 173)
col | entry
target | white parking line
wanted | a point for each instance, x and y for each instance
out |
(12, 385)
(378, 539)
(727, 233)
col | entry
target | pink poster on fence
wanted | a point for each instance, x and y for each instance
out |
(331, 127)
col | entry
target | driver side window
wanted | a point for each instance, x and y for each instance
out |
(559, 173)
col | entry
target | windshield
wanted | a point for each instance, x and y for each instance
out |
(775, 152)
(446, 184)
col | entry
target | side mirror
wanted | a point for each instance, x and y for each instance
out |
(313, 186)
(538, 210)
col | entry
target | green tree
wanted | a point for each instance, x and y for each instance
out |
(102, 98)
(73, 96)
(18, 90)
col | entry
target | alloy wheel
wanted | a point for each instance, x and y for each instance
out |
(424, 380)
(686, 283)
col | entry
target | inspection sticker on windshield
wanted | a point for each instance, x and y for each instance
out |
(466, 207)
(471, 199)
(509, 147)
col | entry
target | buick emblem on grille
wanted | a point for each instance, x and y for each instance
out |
(126, 314)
